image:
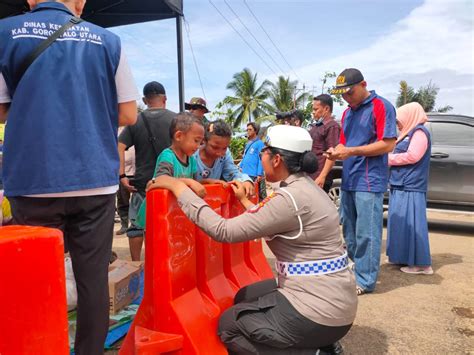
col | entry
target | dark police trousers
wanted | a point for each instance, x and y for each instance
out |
(262, 321)
(87, 223)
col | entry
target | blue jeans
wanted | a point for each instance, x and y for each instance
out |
(362, 228)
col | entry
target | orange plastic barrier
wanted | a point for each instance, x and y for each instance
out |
(33, 312)
(189, 278)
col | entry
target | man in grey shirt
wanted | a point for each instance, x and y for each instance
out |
(150, 135)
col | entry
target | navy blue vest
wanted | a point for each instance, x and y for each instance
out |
(412, 177)
(61, 132)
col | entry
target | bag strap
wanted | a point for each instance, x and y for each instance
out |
(151, 137)
(45, 44)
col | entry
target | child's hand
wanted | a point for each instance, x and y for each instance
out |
(239, 190)
(196, 187)
(249, 189)
(223, 183)
(214, 181)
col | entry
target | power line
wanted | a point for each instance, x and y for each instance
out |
(276, 47)
(255, 38)
(243, 38)
(186, 27)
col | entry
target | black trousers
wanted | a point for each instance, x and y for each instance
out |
(262, 321)
(87, 223)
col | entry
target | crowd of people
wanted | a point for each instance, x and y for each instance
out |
(63, 165)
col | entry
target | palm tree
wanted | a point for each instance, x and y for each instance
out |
(283, 95)
(249, 98)
(405, 94)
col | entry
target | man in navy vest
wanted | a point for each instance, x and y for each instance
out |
(61, 161)
(368, 134)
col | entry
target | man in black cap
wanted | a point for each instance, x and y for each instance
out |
(197, 107)
(368, 134)
(149, 136)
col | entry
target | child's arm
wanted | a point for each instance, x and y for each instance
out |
(195, 186)
(214, 181)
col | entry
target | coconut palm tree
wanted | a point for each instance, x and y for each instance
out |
(283, 95)
(248, 102)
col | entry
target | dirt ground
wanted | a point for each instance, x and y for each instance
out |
(414, 314)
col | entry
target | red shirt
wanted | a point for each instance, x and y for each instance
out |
(324, 137)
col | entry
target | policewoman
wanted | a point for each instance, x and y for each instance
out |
(314, 302)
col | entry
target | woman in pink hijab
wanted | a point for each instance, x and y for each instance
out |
(407, 228)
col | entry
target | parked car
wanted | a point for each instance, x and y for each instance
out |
(451, 179)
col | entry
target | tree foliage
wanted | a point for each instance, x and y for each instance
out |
(284, 96)
(425, 96)
(327, 90)
(248, 101)
(237, 146)
(405, 94)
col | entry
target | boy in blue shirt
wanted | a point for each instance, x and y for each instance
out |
(215, 163)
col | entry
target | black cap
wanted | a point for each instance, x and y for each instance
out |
(347, 79)
(153, 88)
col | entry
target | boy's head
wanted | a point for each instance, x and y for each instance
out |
(187, 132)
(217, 139)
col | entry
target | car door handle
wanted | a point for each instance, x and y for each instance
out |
(439, 155)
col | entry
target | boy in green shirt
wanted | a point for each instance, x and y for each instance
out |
(187, 133)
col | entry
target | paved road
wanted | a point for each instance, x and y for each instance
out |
(415, 314)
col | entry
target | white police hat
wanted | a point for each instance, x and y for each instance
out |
(291, 138)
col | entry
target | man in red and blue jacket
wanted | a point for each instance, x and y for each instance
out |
(368, 134)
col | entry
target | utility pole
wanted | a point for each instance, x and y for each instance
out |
(296, 91)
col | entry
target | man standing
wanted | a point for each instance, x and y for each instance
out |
(150, 135)
(325, 134)
(251, 163)
(368, 134)
(197, 107)
(60, 154)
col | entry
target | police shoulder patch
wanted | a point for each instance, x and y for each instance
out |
(259, 205)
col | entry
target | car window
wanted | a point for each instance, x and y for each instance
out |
(452, 133)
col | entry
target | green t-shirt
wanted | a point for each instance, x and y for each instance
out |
(168, 164)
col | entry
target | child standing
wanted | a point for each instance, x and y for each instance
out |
(187, 133)
(214, 160)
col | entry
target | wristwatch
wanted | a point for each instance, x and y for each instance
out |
(121, 176)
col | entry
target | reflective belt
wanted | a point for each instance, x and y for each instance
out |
(319, 267)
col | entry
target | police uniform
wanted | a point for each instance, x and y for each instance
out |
(314, 303)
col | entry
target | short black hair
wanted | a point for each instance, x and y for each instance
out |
(218, 128)
(255, 126)
(183, 122)
(325, 99)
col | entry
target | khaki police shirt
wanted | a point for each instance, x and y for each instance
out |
(328, 299)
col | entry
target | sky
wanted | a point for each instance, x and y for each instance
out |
(389, 41)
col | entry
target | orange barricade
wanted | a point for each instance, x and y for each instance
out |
(189, 278)
(33, 312)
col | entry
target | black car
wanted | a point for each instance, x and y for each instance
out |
(451, 181)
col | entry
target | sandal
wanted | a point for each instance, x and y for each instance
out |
(360, 291)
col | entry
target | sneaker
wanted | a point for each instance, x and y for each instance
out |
(121, 231)
(423, 270)
(333, 349)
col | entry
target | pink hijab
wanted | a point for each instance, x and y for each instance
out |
(409, 116)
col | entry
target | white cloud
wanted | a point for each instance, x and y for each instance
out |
(434, 40)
